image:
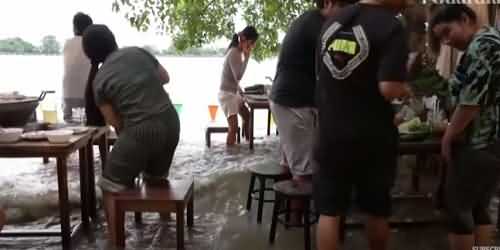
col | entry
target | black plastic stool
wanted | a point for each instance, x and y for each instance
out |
(262, 173)
(286, 191)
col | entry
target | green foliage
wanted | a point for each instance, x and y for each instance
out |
(193, 23)
(50, 46)
(16, 46)
(429, 82)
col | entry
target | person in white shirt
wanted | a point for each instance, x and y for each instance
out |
(76, 67)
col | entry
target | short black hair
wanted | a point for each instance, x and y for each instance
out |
(451, 13)
(80, 22)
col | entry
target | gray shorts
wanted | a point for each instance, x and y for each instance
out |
(146, 148)
(69, 104)
(471, 182)
(296, 128)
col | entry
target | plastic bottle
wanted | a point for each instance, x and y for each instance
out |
(49, 109)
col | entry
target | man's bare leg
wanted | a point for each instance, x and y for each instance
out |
(327, 232)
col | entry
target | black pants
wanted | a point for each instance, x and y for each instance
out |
(147, 148)
(471, 182)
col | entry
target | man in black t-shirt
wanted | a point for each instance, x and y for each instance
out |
(292, 93)
(361, 59)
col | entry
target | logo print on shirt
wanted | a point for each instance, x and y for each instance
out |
(346, 56)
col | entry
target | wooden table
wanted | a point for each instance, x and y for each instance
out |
(254, 104)
(421, 149)
(61, 152)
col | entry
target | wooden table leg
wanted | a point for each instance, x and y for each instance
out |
(190, 212)
(440, 202)
(421, 160)
(91, 181)
(180, 226)
(250, 136)
(103, 148)
(268, 122)
(64, 207)
(84, 186)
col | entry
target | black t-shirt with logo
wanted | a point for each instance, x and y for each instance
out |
(294, 82)
(358, 48)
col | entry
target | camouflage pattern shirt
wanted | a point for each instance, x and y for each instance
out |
(476, 83)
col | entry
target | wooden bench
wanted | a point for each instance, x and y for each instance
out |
(164, 197)
(218, 129)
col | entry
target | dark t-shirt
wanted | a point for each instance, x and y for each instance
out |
(294, 82)
(358, 48)
(129, 79)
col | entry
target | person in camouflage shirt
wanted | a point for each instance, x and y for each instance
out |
(470, 145)
(475, 83)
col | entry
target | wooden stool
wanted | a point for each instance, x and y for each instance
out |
(165, 197)
(218, 129)
(294, 190)
(262, 173)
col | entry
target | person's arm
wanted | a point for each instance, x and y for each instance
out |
(392, 70)
(164, 77)
(474, 91)
(394, 89)
(162, 72)
(237, 65)
(110, 116)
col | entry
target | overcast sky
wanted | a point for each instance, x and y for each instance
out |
(33, 19)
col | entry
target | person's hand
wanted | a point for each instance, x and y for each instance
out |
(246, 51)
(398, 119)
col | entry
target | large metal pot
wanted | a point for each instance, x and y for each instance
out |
(16, 113)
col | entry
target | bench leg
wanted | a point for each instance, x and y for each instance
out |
(119, 228)
(46, 160)
(262, 187)
(307, 231)
(138, 217)
(250, 191)
(238, 136)
(190, 212)
(207, 138)
(115, 219)
(180, 226)
(268, 122)
(274, 221)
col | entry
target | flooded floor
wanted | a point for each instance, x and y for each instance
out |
(29, 190)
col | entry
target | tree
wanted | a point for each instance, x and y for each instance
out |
(193, 23)
(50, 46)
(16, 46)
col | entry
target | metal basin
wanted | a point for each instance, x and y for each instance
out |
(17, 113)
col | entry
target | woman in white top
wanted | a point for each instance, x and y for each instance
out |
(230, 98)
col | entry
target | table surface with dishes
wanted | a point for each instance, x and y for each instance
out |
(56, 141)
